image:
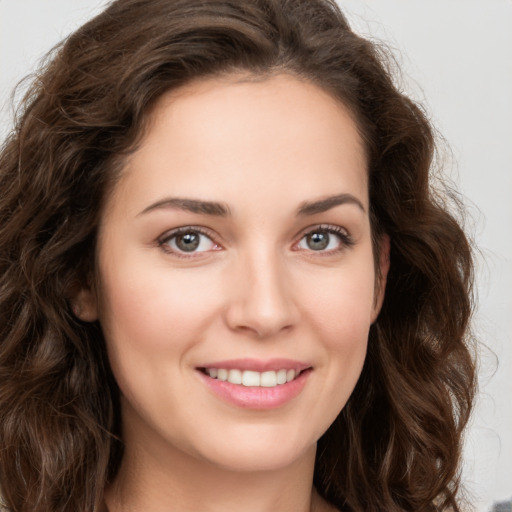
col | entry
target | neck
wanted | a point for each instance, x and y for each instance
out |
(179, 481)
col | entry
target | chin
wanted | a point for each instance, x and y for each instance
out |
(257, 461)
(257, 454)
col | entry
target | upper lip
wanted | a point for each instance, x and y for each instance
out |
(258, 365)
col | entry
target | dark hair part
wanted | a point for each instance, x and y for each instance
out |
(396, 445)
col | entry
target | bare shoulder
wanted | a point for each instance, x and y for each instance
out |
(319, 504)
(327, 507)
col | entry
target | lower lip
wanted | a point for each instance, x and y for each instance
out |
(261, 398)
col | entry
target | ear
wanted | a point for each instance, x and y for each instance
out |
(382, 274)
(84, 302)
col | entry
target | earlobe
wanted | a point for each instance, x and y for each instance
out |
(380, 284)
(84, 303)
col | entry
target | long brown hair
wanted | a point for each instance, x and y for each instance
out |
(396, 445)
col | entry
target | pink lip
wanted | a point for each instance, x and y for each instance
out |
(258, 398)
(257, 365)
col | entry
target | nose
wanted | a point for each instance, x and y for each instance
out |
(262, 301)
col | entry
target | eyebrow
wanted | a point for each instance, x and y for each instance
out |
(323, 205)
(222, 210)
(190, 205)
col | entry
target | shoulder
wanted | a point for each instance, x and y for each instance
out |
(326, 507)
(320, 504)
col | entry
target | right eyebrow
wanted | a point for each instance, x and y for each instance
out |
(323, 205)
(190, 205)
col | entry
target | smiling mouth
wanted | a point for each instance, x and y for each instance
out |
(250, 378)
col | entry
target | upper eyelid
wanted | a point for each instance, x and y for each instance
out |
(323, 227)
(163, 242)
(184, 229)
(333, 228)
(346, 238)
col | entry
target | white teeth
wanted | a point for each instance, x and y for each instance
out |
(251, 378)
(235, 376)
(269, 379)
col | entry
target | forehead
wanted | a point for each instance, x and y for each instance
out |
(232, 134)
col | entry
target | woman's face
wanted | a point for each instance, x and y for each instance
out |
(237, 246)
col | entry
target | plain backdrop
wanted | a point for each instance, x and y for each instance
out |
(457, 60)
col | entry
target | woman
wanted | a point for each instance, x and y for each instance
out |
(225, 281)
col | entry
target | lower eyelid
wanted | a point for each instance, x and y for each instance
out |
(166, 240)
(345, 239)
(304, 240)
(333, 230)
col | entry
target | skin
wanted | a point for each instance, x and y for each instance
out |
(255, 288)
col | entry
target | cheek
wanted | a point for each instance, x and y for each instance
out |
(152, 320)
(340, 312)
(342, 302)
(344, 326)
(152, 315)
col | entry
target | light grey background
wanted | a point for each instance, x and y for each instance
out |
(457, 58)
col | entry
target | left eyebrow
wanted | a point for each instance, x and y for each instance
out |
(191, 205)
(323, 205)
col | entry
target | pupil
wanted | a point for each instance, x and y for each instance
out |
(318, 241)
(188, 242)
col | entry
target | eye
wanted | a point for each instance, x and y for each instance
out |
(187, 241)
(325, 239)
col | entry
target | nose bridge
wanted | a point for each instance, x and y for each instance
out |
(264, 301)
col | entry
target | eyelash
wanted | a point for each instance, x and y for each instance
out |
(164, 240)
(346, 241)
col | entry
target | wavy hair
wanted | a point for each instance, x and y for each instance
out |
(396, 445)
